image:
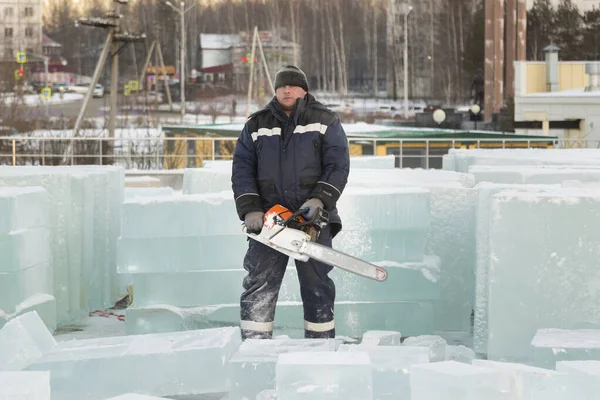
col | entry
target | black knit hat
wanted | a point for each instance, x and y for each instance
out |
(292, 76)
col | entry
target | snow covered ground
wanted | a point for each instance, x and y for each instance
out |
(36, 100)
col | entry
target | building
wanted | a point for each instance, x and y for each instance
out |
(226, 59)
(558, 98)
(20, 28)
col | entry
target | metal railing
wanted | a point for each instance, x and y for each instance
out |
(152, 153)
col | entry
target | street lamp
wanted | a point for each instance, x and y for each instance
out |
(475, 110)
(182, 12)
(405, 9)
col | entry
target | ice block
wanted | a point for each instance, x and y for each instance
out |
(24, 386)
(381, 338)
(23, 208)
(450, 380)
(485, 193)
(19, 285)
(23, 340)
(252, 368)
(459, 353)
(435, 344)
(331, 376)
(25, 248)
(351, 318)
(391, 368)
(549, 265)
(133, 193)
(552, 345)
(519, 381)
(180, 216)
(179, 363)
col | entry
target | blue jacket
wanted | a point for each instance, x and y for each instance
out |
(287, 160)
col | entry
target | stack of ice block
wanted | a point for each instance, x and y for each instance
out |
(252, 368)
(180, 234)
(552, 345)
(460, 159)
(485, 193)
(535, 174)
(544, 253)
(24, 386)
(85, 219)
(198, 263)
(26, 255)
(451, 234)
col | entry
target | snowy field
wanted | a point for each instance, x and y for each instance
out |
(492, 289)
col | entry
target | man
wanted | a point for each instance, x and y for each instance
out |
(293, 152)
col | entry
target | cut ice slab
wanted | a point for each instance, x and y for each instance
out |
(435, 344)
(161, 217)
(485, 192)
(132, 193)
(534, 174)
(373, 162)
(460, 353)
(43, 304)
(351, 318)
(267, 395)
(23, 208)
(391, 368)
(24, 340)
(450, 380)
(181, 254)
(549, 265)
(552, 345)
(252, 368)
(518, 380)
(207, 180)
(331, 376)
(25, 248)
(382, 209)
(381, 338)
(134, 396)
(405, 282)
(379, 245)
(24, 385)
(180, 363)
(583, 378)
(19, 285)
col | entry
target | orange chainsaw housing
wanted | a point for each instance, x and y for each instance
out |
(283, 214)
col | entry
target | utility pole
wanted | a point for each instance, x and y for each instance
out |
(118, 42)
(182, 11)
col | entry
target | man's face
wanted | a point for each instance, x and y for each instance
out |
(287, 95)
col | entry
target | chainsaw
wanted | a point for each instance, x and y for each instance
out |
(295, 236)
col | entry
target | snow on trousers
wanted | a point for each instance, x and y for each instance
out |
(266, 268)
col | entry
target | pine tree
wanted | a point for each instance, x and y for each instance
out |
(541, 30)
(591, 34)
(569, 31)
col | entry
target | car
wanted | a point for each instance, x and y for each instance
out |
(81, 88)
(99, 90)
(344, 108)
(60, 87)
